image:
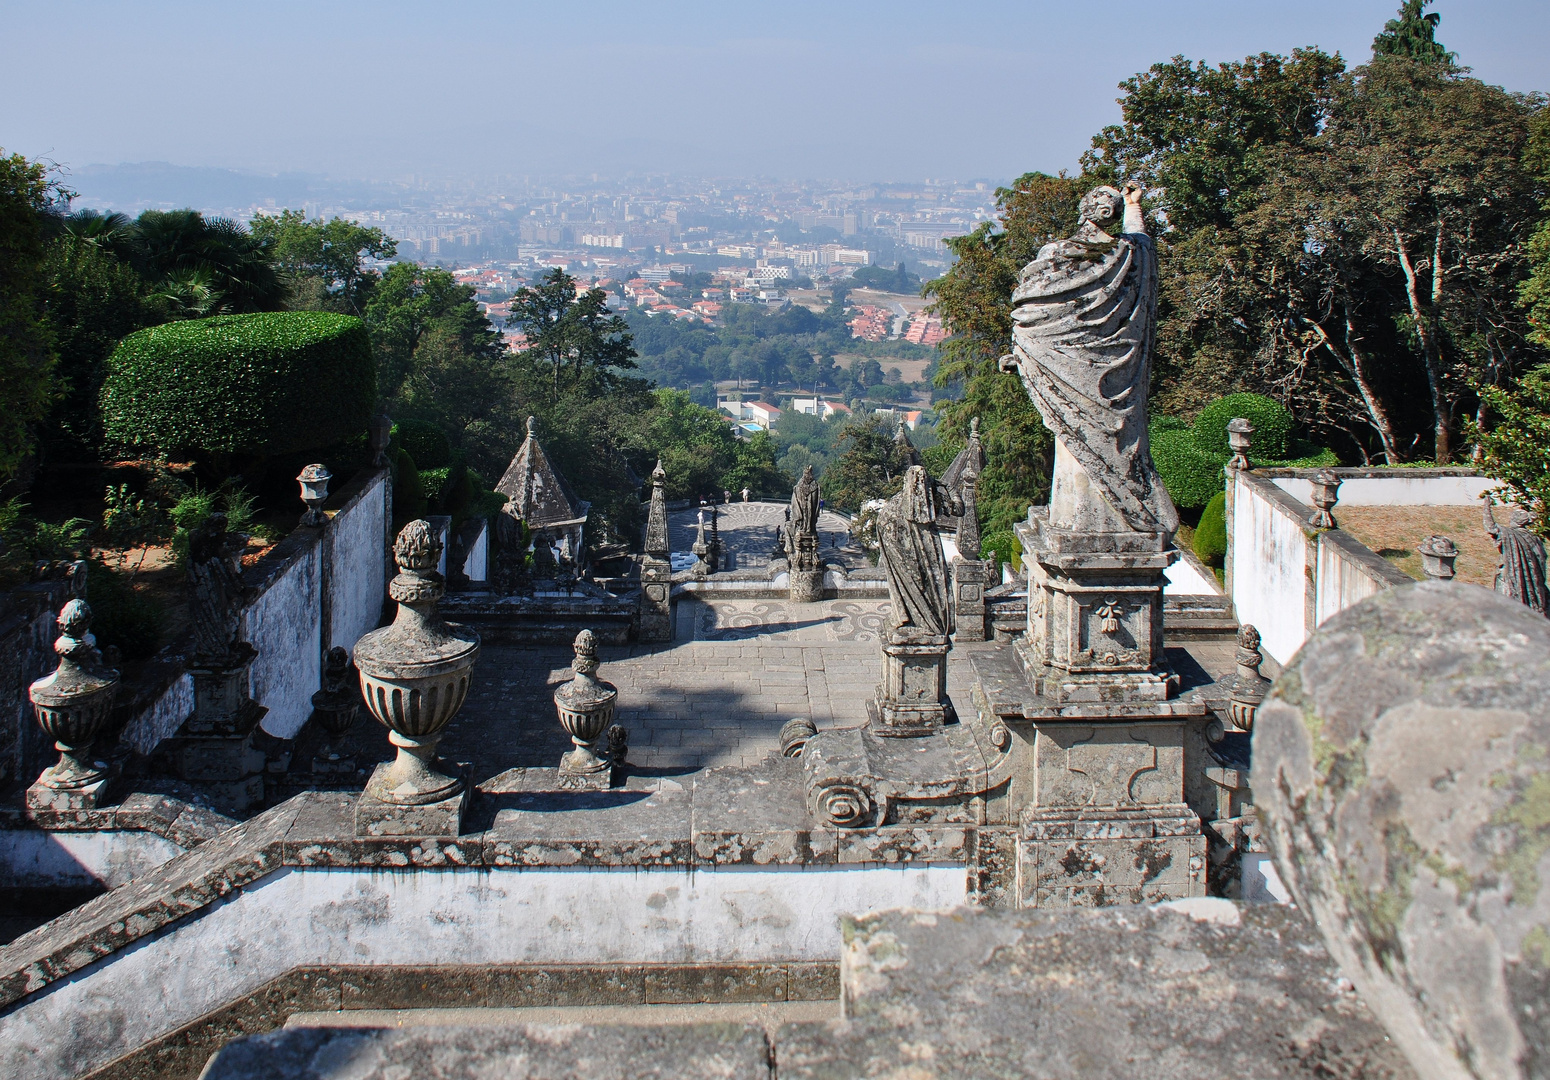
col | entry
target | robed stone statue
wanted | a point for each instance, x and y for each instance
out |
(1083, 316)
(1521, 572)
(912, 555)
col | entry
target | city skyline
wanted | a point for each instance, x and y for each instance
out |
(864, 92)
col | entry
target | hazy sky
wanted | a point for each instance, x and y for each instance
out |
(898, 90)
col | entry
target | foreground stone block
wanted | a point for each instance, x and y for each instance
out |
(1204, 988)
(378, 817)
(571, 1052)
(1402, 779)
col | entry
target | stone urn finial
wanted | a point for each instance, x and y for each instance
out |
(336, 706)
(1438, 554)
(72, 704)
(415, 674)
(314, 492)
(586, 708)
(1240, 440)
(1249, 687)
(1326, 492)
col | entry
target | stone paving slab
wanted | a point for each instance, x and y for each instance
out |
(716, 695)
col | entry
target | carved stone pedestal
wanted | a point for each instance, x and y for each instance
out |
(656, 607)
(971, 613)
(1094, 614)
(377, 816)
(912, 698)
(214, 748)
(806, 570)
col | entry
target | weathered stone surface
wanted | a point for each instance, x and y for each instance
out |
(1205, 989)
(757, 816)
(570, 1052)
(645, 823)
(377, 818)
(1403, 781)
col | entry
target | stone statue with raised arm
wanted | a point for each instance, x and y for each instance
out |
(918, 585)
(1083, 316)
(1521, 572)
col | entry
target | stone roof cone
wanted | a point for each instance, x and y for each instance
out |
(538, 494)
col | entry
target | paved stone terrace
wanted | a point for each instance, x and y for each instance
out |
(719, 694)
(748, 532)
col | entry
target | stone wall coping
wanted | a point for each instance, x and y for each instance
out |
(183, 823)
(1367, 561)
(1370, 472)
(301, 540)
(753, 816)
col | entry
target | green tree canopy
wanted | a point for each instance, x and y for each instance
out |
(325, 260)
(26, 346)
(1413, 35)
(571, 327)
(869, 464)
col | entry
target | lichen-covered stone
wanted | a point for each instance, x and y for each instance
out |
(1199, 988)
(1402, 775)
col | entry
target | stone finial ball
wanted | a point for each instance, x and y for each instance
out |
(417, 547)
(1102, 205)
(1402, 776)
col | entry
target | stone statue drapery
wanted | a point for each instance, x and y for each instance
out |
(804, 505)
(216, 590)
(1083, 318)
(1521, 573)
(912, 556)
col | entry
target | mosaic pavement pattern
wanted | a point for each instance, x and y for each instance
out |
(748, 532)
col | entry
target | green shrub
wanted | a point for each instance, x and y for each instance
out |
(1211, 534)
(1004, 543)
(264, 384)
(426, 443)
(1272, 422)
(121, 616)
(1190, 475)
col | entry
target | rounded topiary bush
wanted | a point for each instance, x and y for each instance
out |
(1190, 475)
(264, 384)
(1211, 534)
(1272, 422)
(426, 443)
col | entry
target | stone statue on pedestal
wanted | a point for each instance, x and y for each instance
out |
(1521, 572)
(217, 594)
(1083, 317)
(799, 540)
(912, 556)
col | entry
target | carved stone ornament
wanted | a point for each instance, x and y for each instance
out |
(842, 805)
(1326, 493)
(415, 674)
(1249, 687)
(73, 703)
(1438, 555)
(586, 708)
(1240, 440)
(314, 492)
(794, 734)
(217, 594)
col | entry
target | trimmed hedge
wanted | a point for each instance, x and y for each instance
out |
(1211, 534)
(1189, 458)
(1272, 422)
(267, 383)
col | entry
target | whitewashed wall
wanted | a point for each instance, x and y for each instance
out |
(1269, 568)
(314, 916)
(1347, 573)
(357, 573)
(285, 625)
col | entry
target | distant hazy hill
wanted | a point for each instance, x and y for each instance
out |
(158, 185)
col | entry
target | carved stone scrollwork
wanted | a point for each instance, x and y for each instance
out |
(794, 735)
(842, 805)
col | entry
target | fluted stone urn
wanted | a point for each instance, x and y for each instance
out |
(72, 706)
(586, 708)
(414, 677)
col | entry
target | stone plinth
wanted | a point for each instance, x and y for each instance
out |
(376, 816)
(912, 697)
(972, 578)
(806, 586)
(215, 748)
(656, 605)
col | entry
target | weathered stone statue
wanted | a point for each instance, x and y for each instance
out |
(1521, 572)
(912, 556)
(1083, 314)
(799, 540)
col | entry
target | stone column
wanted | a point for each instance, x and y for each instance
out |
(656, 568)
(414, 677)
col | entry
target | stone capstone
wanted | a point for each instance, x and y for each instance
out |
(1402, 778)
